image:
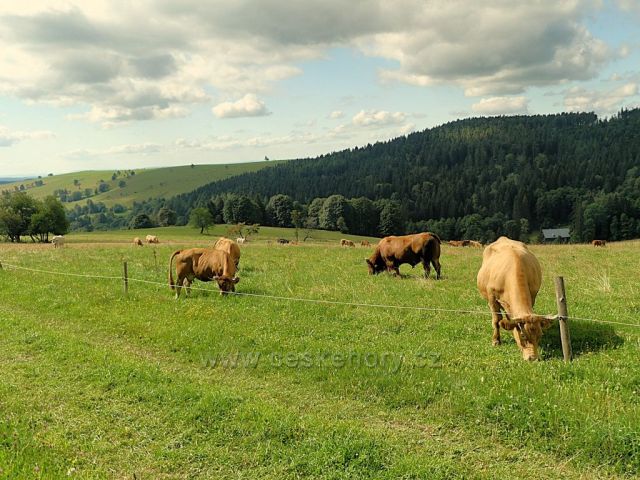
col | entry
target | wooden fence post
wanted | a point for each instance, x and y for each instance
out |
(0, 265)
(155, 258)
(125, 278)
(565, 338)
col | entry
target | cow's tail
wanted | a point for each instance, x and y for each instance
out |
(171, 282)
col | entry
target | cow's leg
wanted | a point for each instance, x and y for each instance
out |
(390, 266)
(496, 316)
(187, 286)
(179, 287)
(436, 267)
(427, 269)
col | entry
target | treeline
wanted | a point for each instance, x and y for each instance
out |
(21, 215)
(474, 178)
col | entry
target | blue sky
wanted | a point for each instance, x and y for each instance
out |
(106, 85)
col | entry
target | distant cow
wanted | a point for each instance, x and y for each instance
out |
(240, 241)
(152, 239)
(205, 264)
(509, 279)
(456, 243)
(282, 241)
(391, 252)
(599, 243)
(365, 243)
(473, 243)
(347, 243)
(230, 247)
(137, 241)
(57, 241)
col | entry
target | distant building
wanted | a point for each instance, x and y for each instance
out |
(559, 235)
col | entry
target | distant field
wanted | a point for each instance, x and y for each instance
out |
(145, 184)
(96, 385)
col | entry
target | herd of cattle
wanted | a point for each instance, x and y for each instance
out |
(509, 278)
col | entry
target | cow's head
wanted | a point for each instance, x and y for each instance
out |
(374, 268)
(527, 331)
(226, 284)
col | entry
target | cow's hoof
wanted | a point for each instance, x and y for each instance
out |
(497, 343)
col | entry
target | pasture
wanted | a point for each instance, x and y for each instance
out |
(99, 385)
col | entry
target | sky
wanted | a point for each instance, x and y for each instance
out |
(111, 84)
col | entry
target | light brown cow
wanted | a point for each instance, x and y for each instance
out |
(473, 243)
(230, 247)
(599, 243)
(365, 243)
(152, 239)
(456, 243)
(347, 243)
(391, 252)
(205, 264)
(137, 241)
(509, 279)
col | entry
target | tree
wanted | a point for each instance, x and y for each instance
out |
(122, 184)
(200, 218)
(297, 220)
(279, 210)
(243, 230)
(391, 218)
(141, 220)
(332, 209)
(49, 217)
(166, 217)
(15, 215)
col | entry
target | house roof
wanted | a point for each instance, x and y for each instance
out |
(555, 233)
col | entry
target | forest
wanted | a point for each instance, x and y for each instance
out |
(476, 178)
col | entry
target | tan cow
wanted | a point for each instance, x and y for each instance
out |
(509, 279)
(456, 243)
(230, 247)
(137, 241)
(347, 243)
(241, 240)
(599, 243)
(205, 264)
(473, 243)
(152, 239)
(391, 252)
(58, 241)
(365, 243)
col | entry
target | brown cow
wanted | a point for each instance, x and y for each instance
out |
(509, 279)
(365, 243)
(205, 264)
(391, 252)
(230, 247)
(599, 243)
(347, 243)
(456, 243)
(473, 243)
(137, 241)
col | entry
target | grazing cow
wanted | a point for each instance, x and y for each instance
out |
(58, 241)
(240, 240)
(473, 243)
(347, 243)
(391, 252)
(509, 279)
(365, 243)
(137, 241)
(282, 241)
(230, 247)
(456, 243)
(152, 239)
(599, 243)
(205, 264)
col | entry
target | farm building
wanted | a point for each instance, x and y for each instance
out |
(558, 235)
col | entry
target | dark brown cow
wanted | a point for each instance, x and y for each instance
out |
(205, 264)
(391, 252)
(599, 243)
(347, 243)
(365, 243)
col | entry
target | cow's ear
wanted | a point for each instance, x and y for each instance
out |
(368, 262)
(547, 320)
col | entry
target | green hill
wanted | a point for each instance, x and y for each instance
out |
(124, 188)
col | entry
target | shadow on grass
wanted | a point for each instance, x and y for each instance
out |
(586, 337)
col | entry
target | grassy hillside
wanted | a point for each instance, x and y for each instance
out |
(145, 184)
(96, 385)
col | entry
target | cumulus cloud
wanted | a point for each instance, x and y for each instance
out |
(501, 106)
(336, 114)
(578, 99)
(378, 118)
(11, 137)
(99, 54)
(247, 106)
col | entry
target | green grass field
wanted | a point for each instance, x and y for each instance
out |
(99, 385)
(145, 184)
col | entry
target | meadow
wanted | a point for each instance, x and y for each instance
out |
(96, 384)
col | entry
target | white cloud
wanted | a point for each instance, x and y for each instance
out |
(378, 118)
(247, 106)
(11, 137)
(578, 99)
(501, 106)
(336, 114)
